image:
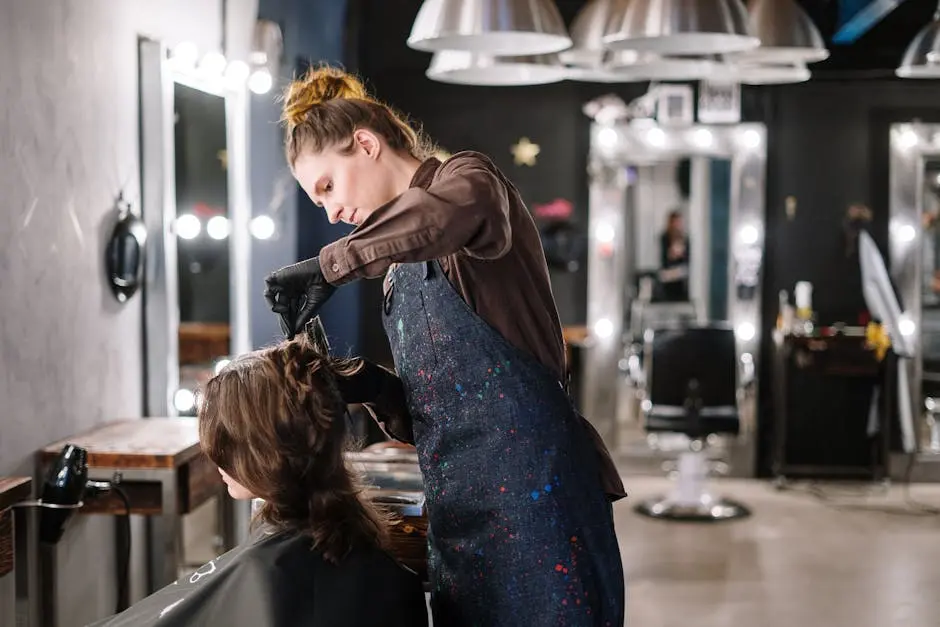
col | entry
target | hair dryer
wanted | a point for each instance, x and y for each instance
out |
(62, 492)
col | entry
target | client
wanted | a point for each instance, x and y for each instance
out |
(274, 422)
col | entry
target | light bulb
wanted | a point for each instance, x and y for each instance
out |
(262, 227)
(906, 233)
(745, 331)
(749, 235)
(188, 226)
(656, 137)
(607, 137)
(217, 227)
(703, 138)
(260, 81)
(605, 233)
(213, 63)
(603, 327)
(750, 138)
(184, 400)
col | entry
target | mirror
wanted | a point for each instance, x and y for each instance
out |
(194, 190)
(914, 247)
(202, 229)
(124, 256)
(676, 221)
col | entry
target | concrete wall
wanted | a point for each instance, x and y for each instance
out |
(70, 356)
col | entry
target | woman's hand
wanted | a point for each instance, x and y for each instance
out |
(296, 293)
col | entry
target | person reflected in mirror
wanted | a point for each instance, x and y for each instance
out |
(274, 422)
(674, 260)
(518, 484)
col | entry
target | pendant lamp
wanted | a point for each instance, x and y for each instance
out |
(466, 68)
(787, 33)
(490, 27)
(587, 35)
(922, 57)
(680, 27)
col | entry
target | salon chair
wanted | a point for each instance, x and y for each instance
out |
(691, 389)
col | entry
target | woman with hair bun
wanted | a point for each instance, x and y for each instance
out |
(519, 486)
(274, 422)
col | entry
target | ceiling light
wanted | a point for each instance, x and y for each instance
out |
(467, 68)
(492, 27)
(785, 31)
(680, 27)
(587, 35)
(922, 57)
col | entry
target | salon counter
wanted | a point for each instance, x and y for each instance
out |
(826, 408)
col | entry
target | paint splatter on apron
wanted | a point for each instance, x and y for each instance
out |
(521, 533)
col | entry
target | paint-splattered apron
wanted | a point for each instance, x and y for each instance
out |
(521, 533)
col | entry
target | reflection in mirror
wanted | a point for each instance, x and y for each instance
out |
(681, 211)
(664, 206)
(202, 229)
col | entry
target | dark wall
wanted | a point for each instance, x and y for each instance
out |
(828, 148)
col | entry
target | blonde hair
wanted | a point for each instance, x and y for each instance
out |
(327, 105)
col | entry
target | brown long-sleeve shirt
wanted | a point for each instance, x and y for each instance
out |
(468, 216)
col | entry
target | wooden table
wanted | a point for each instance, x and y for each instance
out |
(13, 490)
(160, 466)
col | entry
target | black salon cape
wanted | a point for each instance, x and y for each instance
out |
(278, 581)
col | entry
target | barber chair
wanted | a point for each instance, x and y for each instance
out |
(691, 389)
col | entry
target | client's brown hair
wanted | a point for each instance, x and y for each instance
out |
(327, 105)
(275, 422)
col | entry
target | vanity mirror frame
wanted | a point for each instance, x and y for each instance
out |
(911, 146)
(158, 78)
(615, 146)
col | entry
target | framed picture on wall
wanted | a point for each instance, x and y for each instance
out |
(675, 105)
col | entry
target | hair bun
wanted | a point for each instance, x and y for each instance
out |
(317, 86)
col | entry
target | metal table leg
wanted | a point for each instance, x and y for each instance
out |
(164, 541)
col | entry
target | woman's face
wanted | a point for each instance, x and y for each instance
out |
(349, 187)
(235, 490)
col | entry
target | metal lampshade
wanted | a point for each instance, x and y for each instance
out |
(787, 34)
(490, 27)
(466, 68)
(680, 27)
(587, 35)
(922, 57)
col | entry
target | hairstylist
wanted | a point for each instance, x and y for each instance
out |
(518, 484)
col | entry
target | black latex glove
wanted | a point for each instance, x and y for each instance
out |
(381, 392)
(296, 293)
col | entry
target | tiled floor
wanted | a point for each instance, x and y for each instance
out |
(826, 557)
(800, 561)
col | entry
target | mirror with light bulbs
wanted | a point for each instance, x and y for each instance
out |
(194, 181)
(706, 182)
(914, 252)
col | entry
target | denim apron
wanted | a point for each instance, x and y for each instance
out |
(520, 530)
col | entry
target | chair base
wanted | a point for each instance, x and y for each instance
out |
(706, 509)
